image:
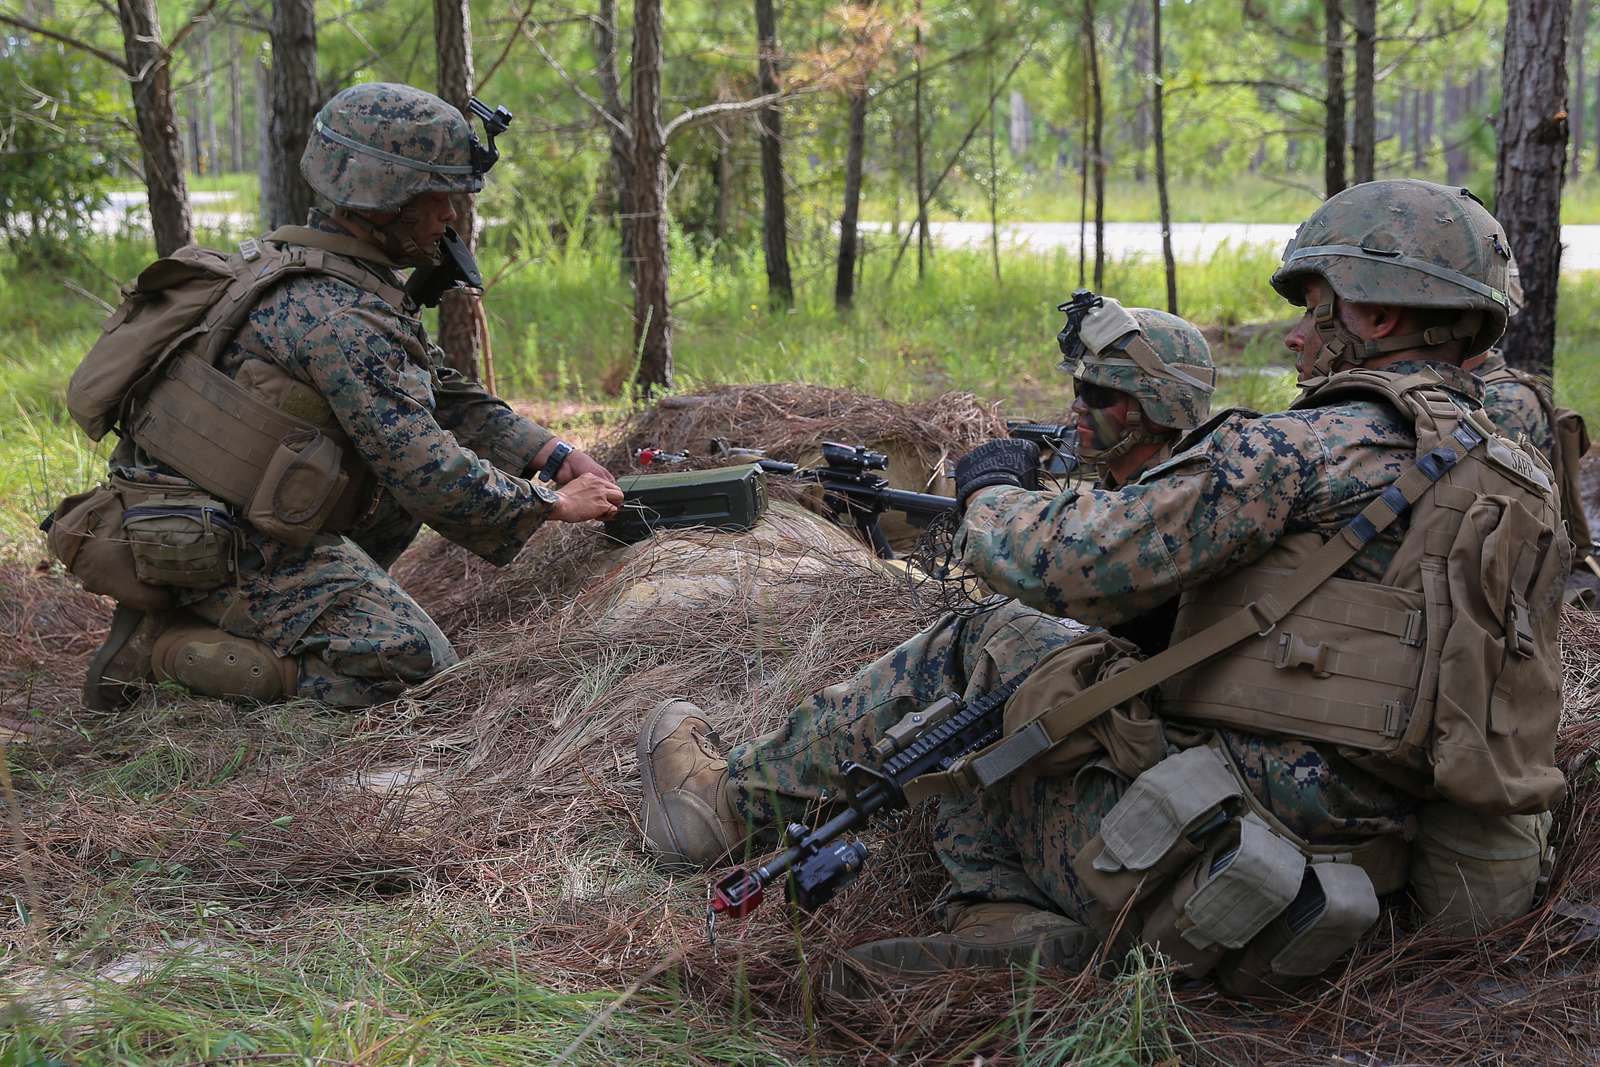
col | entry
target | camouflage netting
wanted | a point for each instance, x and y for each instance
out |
(507, 787)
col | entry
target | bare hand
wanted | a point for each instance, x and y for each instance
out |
(586, 497)
(581, 463)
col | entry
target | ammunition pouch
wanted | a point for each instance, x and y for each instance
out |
(1158, 827)
(290, 478)
(1244, 879)
(178, 538)
(299, 489)
(1334, 906)
(1215, 890)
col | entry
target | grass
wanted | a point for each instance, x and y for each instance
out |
(560, 320)
(369, 984)
(1051, 197)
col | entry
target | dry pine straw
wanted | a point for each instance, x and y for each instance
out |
(525, 807)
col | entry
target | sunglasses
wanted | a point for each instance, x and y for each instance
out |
(1097, 397)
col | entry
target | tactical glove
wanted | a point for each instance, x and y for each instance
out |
(1004, 461)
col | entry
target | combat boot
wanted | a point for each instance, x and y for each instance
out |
(689, 816)
(214, 663)
(122, 662)
(981, 935)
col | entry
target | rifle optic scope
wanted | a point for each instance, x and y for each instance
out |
(835, 454)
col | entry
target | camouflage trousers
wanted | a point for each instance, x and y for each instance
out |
(1017, 842)
(994, 846)
(359, 638)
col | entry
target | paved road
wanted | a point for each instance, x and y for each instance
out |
(1190, 240)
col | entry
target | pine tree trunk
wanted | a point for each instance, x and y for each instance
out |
(197, 153)
(458, 309)
(774, 216)
(652, 327)
(844, 292)
(1455, 149)
(263, 137)
(1160, 132)
(1419, 132)
(1098, 151)
(994, 167)
(605, 46)
(1333, 142)
(923, 246)
(295, 97)
(722, 177)
(1580, 31)
(1144, 71)
(1401, 120)
(235, 106)
(156, 122)
(1364, 150)
(1529, 169)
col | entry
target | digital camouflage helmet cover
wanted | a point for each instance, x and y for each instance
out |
(1405, 243)
(1159, 360)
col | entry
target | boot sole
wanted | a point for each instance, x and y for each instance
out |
(95, 687)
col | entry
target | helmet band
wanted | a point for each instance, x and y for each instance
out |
(1409, 262)
(391, 157)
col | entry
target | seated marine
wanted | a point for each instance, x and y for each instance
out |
(1137, 395)
(1358, 696)
(278, 458)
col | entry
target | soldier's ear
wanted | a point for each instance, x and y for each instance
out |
(1382, 320)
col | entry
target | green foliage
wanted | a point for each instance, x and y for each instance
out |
(1132, 1025)
(52, 168)
(369, 986)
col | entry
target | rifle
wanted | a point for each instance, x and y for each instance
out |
(851, 488)
(1057, 441)
(820, 862)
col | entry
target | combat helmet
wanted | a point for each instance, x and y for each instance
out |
(377, 146)
(1160, 360)
(1407, 243)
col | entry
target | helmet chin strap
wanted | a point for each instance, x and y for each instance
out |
(397, 237)
(1113, 441)
(1340, 344)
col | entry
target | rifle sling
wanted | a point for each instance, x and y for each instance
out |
(1010, 754)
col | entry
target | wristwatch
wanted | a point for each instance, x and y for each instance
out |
(552, 466)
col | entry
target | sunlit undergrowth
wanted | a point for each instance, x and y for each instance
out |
(560, 318)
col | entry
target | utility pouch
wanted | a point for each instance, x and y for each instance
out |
(85, 534)
(183, 541)
(1245, 878)
(1157, 829)
(1334, 906)
(1475, 872)
(299, 489)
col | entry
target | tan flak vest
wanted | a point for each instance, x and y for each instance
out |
(1444, 677)
(152, 374)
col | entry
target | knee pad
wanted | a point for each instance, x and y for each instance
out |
(214, 663)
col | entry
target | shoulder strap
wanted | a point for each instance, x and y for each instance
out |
(337, 243)
(1007, 756)
(1362, 384)
(261, 269)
